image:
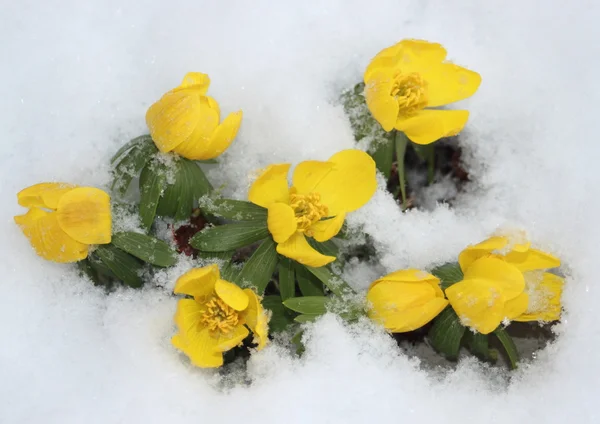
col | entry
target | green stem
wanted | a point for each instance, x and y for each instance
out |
(401, 141)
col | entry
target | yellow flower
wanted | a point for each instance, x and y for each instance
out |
(217, 318)
(316, 204)
(64, 220)
(186, 121)
(404, 81)
(505, 282)
(405, 300)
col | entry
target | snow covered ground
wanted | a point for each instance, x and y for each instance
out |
(76, 79)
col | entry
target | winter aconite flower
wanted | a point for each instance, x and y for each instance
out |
(404, 84)
(405, 300)
(317, 202)
(186, 121)
(64, 220)
(216, 318)
(505, 282)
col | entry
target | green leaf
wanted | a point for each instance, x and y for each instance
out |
(258, 270)
(306, 318)
(509, 346)
(334, 283)
(86, 268)
(149, 249)
(309, 285)
(310, 305)
(223, 259)
(130, 165)
(446, 333)
(152, 184)
(101, 269)
(426, 152)
(142, 139)
(478, 344)
(230, 236)
(238, 210)
(383, 155)
(281, 318)
(328, 247)
(195, 185)
(122, 264)
(287, 278)
(448, 274)
(400, 142)
(297, 341)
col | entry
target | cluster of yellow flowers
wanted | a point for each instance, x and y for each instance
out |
(502, 282)
(404, 84)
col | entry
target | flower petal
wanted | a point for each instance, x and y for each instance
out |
(383, 106)
(408, 56)
(197, 81)
(194, 339)
(209, 146)
(478, 304)
(256, 319)
(516, 307)
(48, 239)
(545, 304)
(231, 294)
(198, 282)
(43, 195)
(281, 221)
(448, 83)
(499, 274)
(84, 214)
(474, 252)
(532, 260)
(298, 249)
(205, 121)
(430, 125)
(230, 340)
(345, 186)
(327, 229)
(271, 186)
(411, 319)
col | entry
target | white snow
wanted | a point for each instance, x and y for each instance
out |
(77, 78)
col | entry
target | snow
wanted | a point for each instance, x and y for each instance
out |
(76, 82)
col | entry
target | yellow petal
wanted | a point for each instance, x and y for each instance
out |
(198, 282)
(84, 214)
(545, 304)
(281, 220)
(271, 186)
(474, 252)
(408, 56)
(382, 105)
(48, 239)
(197, 81)
(532, 260)
(411, 275)
(516, 307)
(503, 276)
(203, 145)
(43, 195)
(298, 249)
(256, 319)
(231, 294)
(430, 125)
(478, 303)
(329, 228)
(230, 340)
(410, 319)
(448, 83)
(205, 121)
(194, 339)
(345, 186)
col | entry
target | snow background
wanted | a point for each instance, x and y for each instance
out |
(77, 78)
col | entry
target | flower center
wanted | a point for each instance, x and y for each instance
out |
(410, 90)
(219, 316)
(308, 209)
